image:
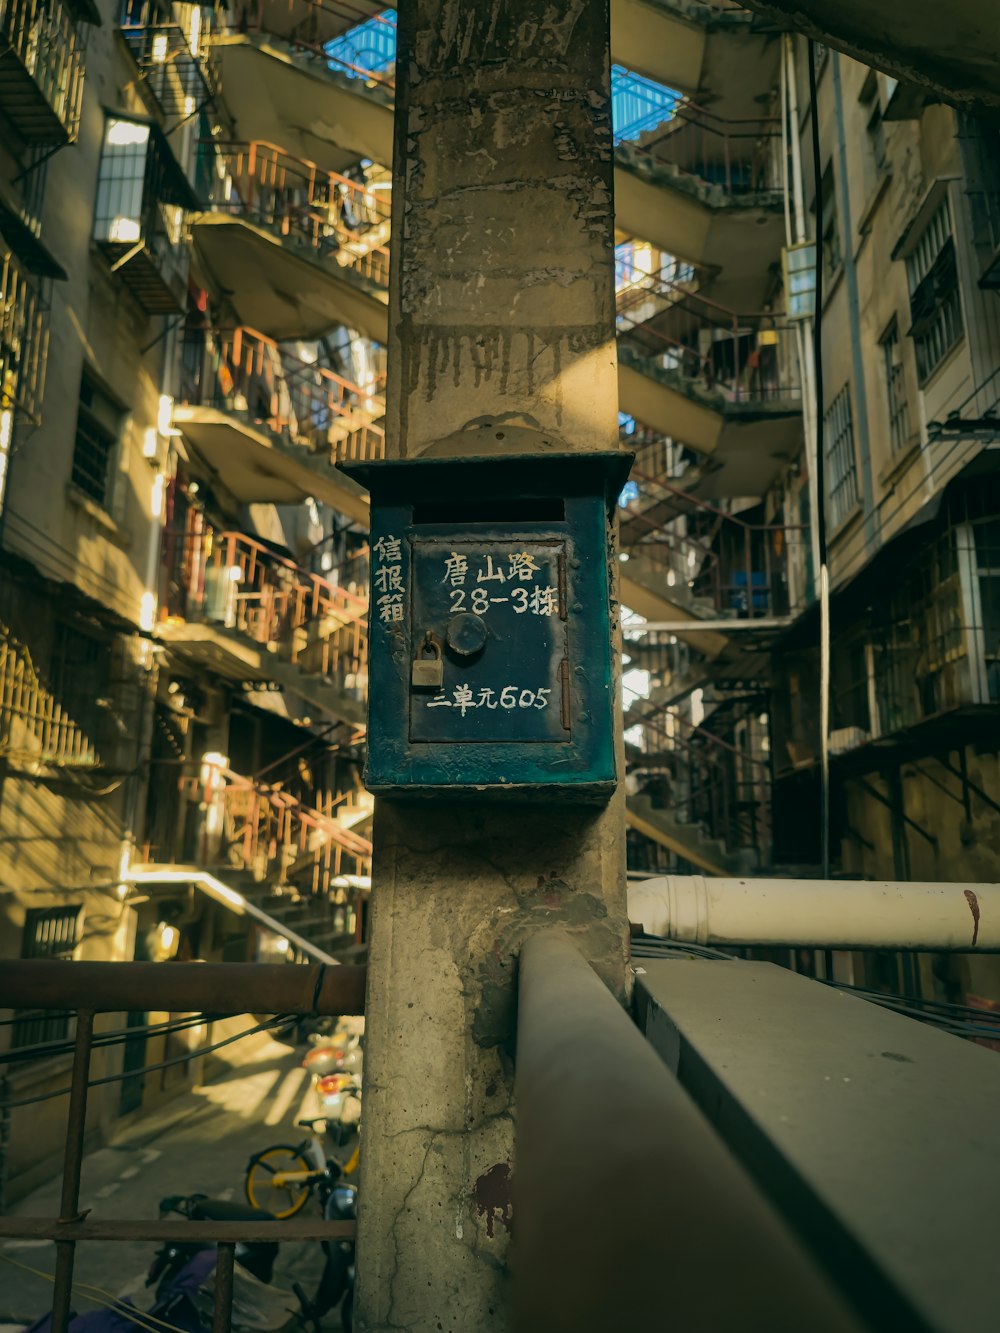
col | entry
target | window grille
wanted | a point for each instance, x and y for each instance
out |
(97, 425)
(841, 459)
(895, 387)
(935, 304)
(49, 932)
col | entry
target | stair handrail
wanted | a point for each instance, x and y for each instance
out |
(258, 23)
(295, 399)
(686, 115)
(648, 718)
(694, 365)
(307, 815)
(696, 500)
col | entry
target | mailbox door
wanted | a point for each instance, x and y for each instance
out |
(495, 611)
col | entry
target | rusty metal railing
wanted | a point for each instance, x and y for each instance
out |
(221, 989)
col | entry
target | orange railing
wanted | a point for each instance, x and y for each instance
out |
(271, 834)
(342, 220)
(242, 372)
(234, 581)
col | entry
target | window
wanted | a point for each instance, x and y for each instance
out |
(841, 461)
(833, 255)
(49, 932)
(120, 207)
(98, 423)
(935, 305)
(895, 387)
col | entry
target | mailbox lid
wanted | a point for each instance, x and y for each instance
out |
(505, 476)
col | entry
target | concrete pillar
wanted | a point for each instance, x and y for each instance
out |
(501, 340)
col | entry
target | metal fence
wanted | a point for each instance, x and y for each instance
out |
(221, 989)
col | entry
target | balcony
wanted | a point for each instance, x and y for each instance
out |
(308, 868)
(690, 182)
(271, 426)
(41, 70)
(35, 725)
(718, 52)
(296, 250)
(24, 339)
(281, 82)
(724, 383)
(171, 70)
(142, 195)
(231, 605)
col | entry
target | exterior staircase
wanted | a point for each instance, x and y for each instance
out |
(691, 842)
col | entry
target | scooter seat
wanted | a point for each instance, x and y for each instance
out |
(225, 1210)
(313, 1120)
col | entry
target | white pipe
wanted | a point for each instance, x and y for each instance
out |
(819, 914)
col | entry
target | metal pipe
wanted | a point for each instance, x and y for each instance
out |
(821, 914)
(651, 1225)
(211, 988)
(69, 1204)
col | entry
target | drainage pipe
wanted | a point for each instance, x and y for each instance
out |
(820, 914)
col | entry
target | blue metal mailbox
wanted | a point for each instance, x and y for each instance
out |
(490, 664)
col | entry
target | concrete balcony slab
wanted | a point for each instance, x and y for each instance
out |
(283, 94)
(283, 286)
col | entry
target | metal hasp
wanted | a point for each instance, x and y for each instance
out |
(496, 567)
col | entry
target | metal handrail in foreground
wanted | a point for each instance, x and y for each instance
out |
(630, 1212)
(217, 988)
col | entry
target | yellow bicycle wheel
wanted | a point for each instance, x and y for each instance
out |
(278, 1180)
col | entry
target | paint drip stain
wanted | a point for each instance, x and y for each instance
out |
(492, 1195)
(973, 902)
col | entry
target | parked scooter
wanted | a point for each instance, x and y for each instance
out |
(182, 1274)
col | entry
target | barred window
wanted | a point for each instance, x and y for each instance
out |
(935, 304)
(841, 460)
(98, 423)
(49, 932)
(895, 387)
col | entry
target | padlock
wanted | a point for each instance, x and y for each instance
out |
(428, 674)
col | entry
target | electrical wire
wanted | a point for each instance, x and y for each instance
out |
(152, 1323)
(46, 1049)
(649, 946)
(152, 1069)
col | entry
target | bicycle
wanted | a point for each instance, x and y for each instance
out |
(280, 1179)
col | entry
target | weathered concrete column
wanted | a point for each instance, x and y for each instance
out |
(501, 340)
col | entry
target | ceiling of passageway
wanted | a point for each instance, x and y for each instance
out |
(953, 48)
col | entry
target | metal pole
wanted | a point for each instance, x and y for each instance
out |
(680, 1237)
(69, 1204)
(222, 1315)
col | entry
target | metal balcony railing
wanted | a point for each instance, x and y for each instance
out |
(231, 580)
(212, 990)
(742, 358)
(719, 559)
(142, 195)
(741, 157)
(315, 30)
(175, 73)
(338, 219)
(35, 727)
(268, 832)
(41, 70)
(243, 373)
(24, 338)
